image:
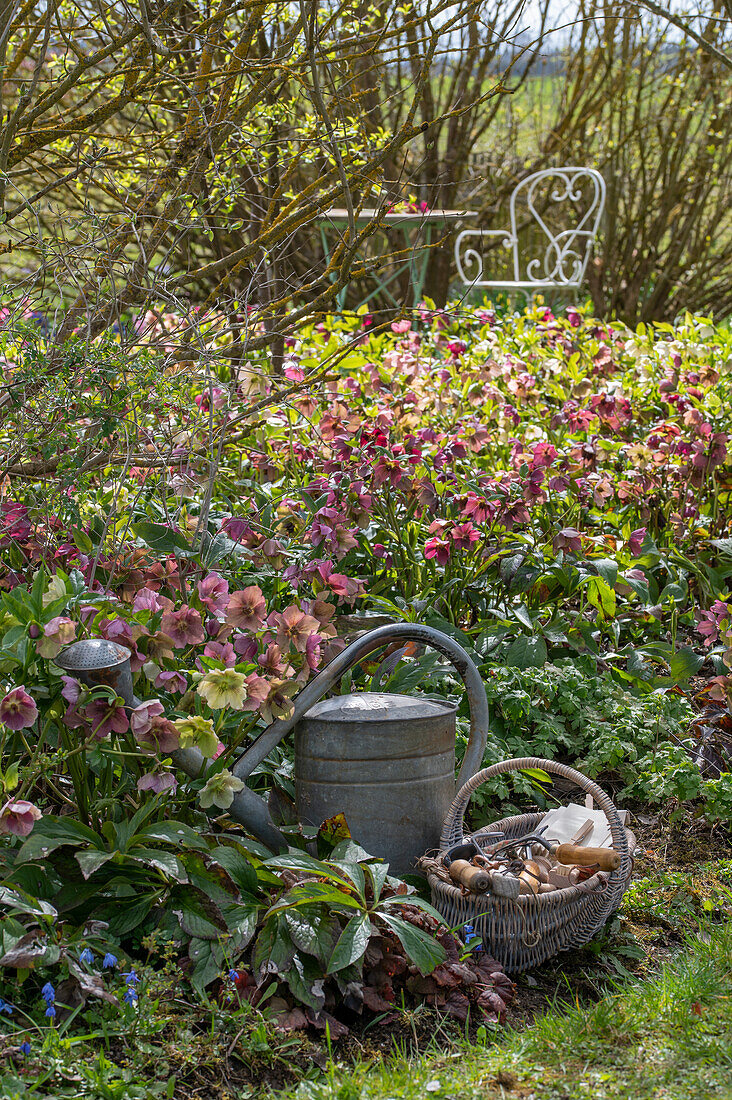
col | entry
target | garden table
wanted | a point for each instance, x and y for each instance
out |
(417, 227)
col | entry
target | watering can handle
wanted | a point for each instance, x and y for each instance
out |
(350, 656)
(252, 810)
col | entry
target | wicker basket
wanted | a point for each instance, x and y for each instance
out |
(523, 933)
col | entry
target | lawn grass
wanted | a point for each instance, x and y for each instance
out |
(668, 1037)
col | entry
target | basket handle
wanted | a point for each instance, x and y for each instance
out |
(452, 827)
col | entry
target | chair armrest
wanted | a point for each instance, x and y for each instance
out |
(473, 257)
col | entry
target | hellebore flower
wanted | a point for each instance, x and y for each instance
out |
(213, 592)
(247, 608)
(568, 538)
(161, 736)
(464, 535)
(220, 790)
(109, 961)
(71, 691)
(142, 715)
(18, 817)
(245, 646)
(294, 627)
(147, 600)
(197, 732)
(17, 710)
(56, 634)
(439, 549)
(636, 540)
(171, 681)
(183, 627)
(278, 703)
(273, 662)
(220, 651)
(158, 782)
(223, 687)
(105, 717)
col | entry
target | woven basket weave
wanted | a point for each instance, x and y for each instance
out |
(523, 933)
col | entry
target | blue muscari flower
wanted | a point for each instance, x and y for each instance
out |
(131, 996)
(131, 978)
(109, 961)
(86, 956)
(48, 993)
(50, 1011)
(6, 1007)
(472, 941)
(24, 1048)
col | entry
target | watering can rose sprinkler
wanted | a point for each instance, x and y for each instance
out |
(387, 762)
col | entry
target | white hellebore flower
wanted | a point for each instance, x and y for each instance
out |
(220, 791)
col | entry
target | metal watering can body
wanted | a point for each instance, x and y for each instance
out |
(386, 761)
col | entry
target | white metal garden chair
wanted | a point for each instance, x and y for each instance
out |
(575, 197)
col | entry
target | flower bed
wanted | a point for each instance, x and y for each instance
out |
(552, 490)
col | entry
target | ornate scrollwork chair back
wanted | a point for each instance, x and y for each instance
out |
(561, 209)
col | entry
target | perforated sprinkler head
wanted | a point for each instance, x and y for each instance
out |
(98, 662)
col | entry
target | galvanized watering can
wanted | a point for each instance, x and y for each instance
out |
(386, 761)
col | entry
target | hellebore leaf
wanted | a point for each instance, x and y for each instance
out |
(352, 943)
(422, 949)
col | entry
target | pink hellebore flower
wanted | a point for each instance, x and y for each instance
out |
(464, 535)
(158, 782)
(220, 651)
(294, 372)
(246, 647)
(247, 608)
(439, 549)
(106, 717)
(143, 714)
(183, 627)
(214, 592)
(161, 736)
(294, 627)
(274, 663)
(17, 710)
(568, 538)
(171, 681)
(18, 817)
(257, 691)
(636, 540)
(147, 600)
(56, 634)
(71, 691)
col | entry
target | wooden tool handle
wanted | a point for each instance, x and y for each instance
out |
(607, 859)
(472, 878)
